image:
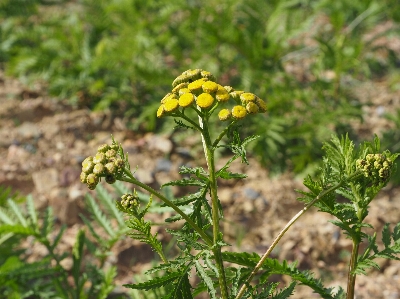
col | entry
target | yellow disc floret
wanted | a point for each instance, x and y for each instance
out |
(252, 107)
(239, 112)
(224, 114)
(195, 86)
(222, 94)
(210, 87)
(179, 87)
(171, 104)
(183, 90)
(207, 75)
(247, 97)
(186, 100)
(205, 100)
(261, 105)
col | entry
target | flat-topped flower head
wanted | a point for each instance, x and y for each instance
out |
(99, 158)
(183, 91)
(239, 112)
(207, 75)
(247, 97)
(179, 87)
(377, 167)
(171, 104)
(87, 165)
(261, 105)
(186, 100)
(210, 87)
(196, 86)
(224, 114)
(252, 107)
(167, 96)
(99, 169)
(222, 94)
(205, 100)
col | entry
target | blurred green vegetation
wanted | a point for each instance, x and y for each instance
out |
(302, 56)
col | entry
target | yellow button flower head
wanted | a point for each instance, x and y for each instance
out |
(239, 112)
(168, 95)
(252, 107)
(247, 97)
(186, 100)
(224, 114)
(170, 104)
(207, 75)
(205, 100)
(183, 91)
(160, 111)
(179, 87)
(261, 105)
(222, 94)
(195, 86)
(210, 87)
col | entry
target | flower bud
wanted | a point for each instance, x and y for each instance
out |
(130, 201)
(99, 169)
(99, 158)
(110, 167)
(87, 165)
(252, 107)
(92, 180)
(103, 148)
(83, 177)
(110, 179)
(111, 153)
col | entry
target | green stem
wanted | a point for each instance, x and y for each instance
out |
(351, 277)
(131, 179)
(209, 154)
(286, 228)
(223, 133)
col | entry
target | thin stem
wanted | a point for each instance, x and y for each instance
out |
(189, 121)
(209, 154)
(133, 180)
(286, 228)
(351, 276)
(223, 133)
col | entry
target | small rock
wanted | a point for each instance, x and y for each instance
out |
(28, 130)
(45, 180)
(159, 143)
(163, 165)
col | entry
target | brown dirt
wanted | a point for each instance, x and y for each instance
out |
(43, 141)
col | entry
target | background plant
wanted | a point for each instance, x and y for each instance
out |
(117, 54)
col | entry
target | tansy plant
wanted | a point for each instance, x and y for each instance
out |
(354, 175)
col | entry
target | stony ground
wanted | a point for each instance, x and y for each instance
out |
(43, 141)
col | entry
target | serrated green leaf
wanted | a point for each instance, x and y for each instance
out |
(17, 229)
(31, 209)
(108, 201)
(5, 218)
(155, 282)
(230, 175)
(17, 211)
(98, 215)
(206, 279)
(185, 182)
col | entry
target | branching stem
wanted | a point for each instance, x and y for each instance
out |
(131, 179)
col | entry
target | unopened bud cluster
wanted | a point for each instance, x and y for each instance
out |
(106, 163)
(199, 87)
(377, 167)
(130, 201)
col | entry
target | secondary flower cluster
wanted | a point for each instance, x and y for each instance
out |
(106, 163)
(198, 87)
(130, 201)
(377, 167)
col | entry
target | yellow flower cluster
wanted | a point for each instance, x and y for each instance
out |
(199, 87)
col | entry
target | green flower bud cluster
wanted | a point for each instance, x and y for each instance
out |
(376, 167)
(130, 201)
(199, 87)
(106, 163)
